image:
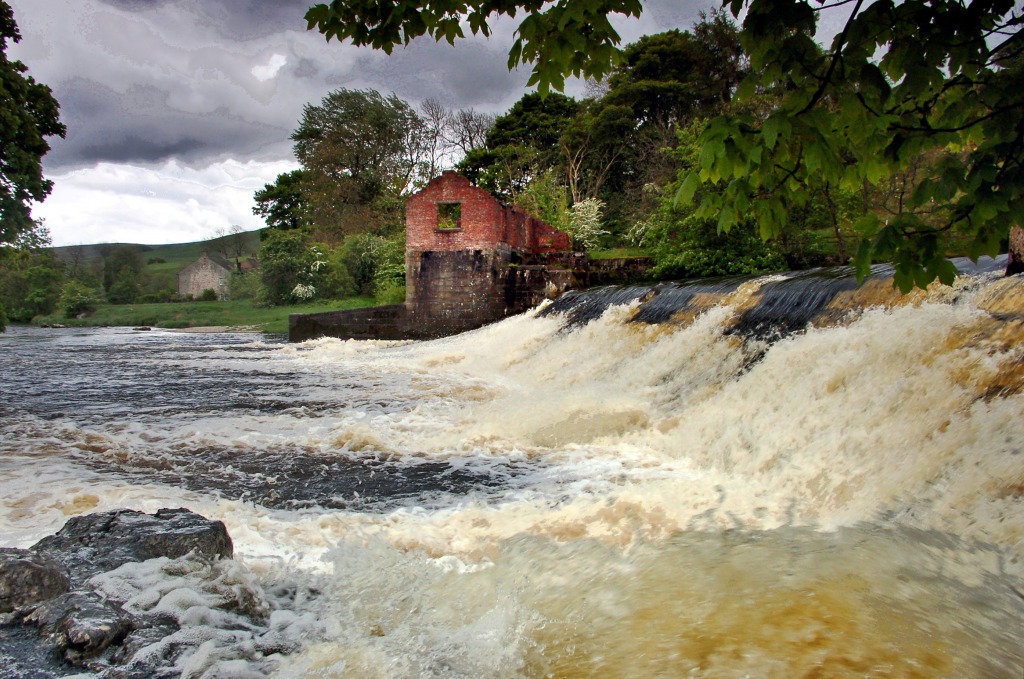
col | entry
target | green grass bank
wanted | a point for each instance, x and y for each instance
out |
(240, 314)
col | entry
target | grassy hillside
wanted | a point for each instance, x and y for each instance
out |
(163, 262)
(161, 266)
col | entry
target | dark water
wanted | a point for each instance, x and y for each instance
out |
(787, 303)
(160, 381)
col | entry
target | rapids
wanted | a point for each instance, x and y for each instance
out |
(633, 482)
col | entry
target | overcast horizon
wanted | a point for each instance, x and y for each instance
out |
(179, 110)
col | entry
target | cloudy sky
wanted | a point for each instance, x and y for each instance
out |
(178, 110)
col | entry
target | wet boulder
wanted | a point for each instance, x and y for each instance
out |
(96, 543)
(69, 606)
(27, 579)
(80, 624)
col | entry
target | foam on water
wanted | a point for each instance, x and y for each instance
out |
(602, 499)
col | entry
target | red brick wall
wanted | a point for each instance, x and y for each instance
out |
(485, 222)
(481, 216)
(546, 238)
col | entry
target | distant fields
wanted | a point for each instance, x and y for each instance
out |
(162, 264)
(163, 275)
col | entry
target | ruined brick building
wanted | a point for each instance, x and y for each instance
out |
(469, 260)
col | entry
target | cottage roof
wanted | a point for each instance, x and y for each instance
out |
(218, 259)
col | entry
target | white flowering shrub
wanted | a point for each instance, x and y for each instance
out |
(319, 259)
(303, 292)
(585, 223)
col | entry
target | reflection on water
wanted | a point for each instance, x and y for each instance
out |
(610, 490)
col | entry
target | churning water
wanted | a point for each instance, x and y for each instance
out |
(576, 492)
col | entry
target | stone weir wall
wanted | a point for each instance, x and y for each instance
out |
(449, 292)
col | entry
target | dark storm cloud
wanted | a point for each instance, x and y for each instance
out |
(136, 5)
(425, 69)
(248, 19)
(244, 19)
(138, 127)
(145, 81)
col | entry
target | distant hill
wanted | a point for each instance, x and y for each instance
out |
(163, 262)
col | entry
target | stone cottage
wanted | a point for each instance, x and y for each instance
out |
(209, 272)
(469, 260)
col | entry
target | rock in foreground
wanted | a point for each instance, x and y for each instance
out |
(28, 578)
(96, 543)
(128, 594)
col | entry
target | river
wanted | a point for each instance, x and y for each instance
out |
(570, 495)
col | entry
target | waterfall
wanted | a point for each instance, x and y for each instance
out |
(782, 476)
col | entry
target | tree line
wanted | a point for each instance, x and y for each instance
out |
(917, 104)
(609, 168)
(722, 149)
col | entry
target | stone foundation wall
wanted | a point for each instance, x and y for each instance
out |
(619, 271)
(449, 292)
(383, 322)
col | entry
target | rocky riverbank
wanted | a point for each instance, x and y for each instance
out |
(127, 595)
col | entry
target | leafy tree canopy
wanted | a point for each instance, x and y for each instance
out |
(900, 80)
(521, 143)
(677, 75)
(533, 121)
(948, 78)
(360, 152)
(280, 204)
(359, 139)
(28, 114)
(665, 81)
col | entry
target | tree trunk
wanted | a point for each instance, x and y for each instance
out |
(1015, 259)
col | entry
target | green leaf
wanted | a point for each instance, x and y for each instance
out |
(770, 131)
(747, 88)
(903, 279)
(726, 218)
(862, 260)
(684, 196)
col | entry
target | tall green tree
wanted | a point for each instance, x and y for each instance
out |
(30, 282)
(28, 114)
(593, 145)
(359, 151)
(900, 79)
(280, 204)
(665, 81)
(122, 273)
(360, 140)
(522, 143)
(676, 76)
(284, 257)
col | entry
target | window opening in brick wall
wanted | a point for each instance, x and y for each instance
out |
(449, 216)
